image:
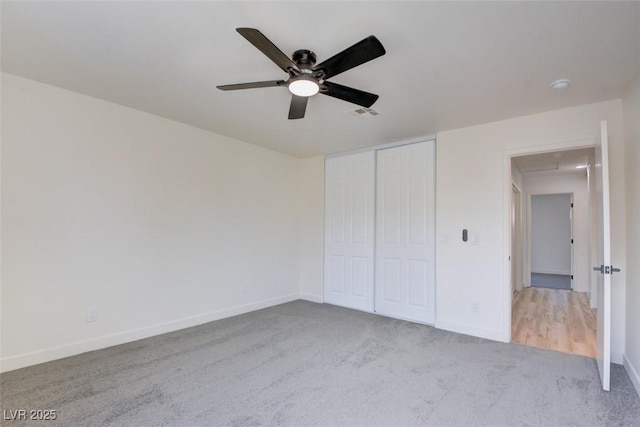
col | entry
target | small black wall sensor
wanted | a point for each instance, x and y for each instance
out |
(465, 235)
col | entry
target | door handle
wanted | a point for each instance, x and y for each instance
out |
(606, 269)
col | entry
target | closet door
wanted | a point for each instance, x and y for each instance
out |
(405, 224)
(349, 230)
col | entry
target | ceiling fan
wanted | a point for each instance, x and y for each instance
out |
(305, 78)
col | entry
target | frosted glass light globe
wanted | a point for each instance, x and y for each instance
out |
(304, 87)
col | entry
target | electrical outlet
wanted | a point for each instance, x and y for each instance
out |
(92, 314)
(475, 307)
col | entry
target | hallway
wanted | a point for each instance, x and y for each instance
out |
(554, 319)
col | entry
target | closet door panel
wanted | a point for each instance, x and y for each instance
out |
(360, 276)
(336, 276)
(417, 278)
(405, 246)
(349, 230)
(391, 281)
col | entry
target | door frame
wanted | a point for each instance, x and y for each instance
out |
(517, 277)
(507, 188)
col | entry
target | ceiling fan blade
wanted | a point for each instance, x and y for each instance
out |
(265, 46)
(349, 94)
(361, 52)
(298, 106)
(252, 85)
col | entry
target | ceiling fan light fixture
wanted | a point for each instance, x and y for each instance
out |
(304, 86)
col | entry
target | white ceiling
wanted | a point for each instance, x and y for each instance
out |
(448, 64)
(559, 162)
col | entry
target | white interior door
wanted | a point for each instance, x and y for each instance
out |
(349, 230)
(603, 355)
(405, 222)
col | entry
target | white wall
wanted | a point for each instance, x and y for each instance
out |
(576, 184)
(631, 108)
(473, 192)
(550, 233)
(311, 228)
(157, 224)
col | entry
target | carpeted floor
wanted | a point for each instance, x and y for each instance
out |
(306, 364)
(553, 281)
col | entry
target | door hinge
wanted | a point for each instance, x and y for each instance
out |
(572, 277)
(572, 241)
(571, 204)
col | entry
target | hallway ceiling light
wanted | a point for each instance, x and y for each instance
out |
(560, 84)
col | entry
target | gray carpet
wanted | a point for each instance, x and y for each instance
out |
(305, 364)
(553, 281)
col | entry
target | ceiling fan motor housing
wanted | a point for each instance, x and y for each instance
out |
(304, 58)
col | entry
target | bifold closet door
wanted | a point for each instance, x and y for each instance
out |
(349, 230)
(405, 227)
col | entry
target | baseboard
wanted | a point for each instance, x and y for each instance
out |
(632, 372)
(543, 271)
(313, 298)
(53, 353)
(490, 334)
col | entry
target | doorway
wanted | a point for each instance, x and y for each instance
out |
(551, 255)
(551, 309)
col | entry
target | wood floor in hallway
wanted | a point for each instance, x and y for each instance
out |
(554, 319)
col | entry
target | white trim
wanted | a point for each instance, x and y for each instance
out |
(27, 359)
(517, 187)
(507, 294)
(575, 144)
(632, 372)
(460, 328)
(391, 316)
(383, 146)
(544, 271)
(517, 255)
